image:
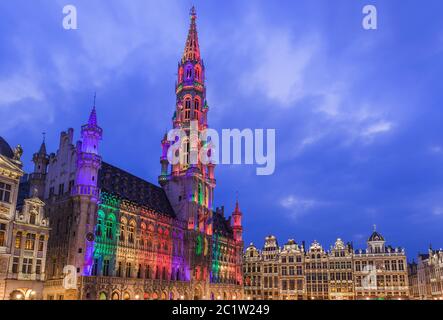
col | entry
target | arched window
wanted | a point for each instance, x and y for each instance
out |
(187, 109)
(109, 227)
(103, 296)
(197, 73)
(196, 109)
(131, 231)
(189, 72)
(115, 296)
(18, 240)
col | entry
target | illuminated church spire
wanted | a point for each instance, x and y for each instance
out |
(192, 49)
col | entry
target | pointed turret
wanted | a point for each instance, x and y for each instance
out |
(237, 222)
(38, 176)
(88, 157)
(192, 48)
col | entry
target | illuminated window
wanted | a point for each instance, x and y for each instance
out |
(5, 192)
(187, 108)
(196, 109)
(2, 234)
(30, 241)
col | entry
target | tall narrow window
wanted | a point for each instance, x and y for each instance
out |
(38, 266)
(15, 263)
(131, 233)
(95, 267)
(120, 269)
(109, 227)
(106, 267)
(196, 109)
(2, 234)
(32, 218)
(122, 232)
(30, 241)
(98, 228)
(187, 109)
(128, 270)
(5, 192)
(41, 243)
(186, 151)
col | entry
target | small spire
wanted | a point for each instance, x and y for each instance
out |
(237, 206)
(43, 145)
(193, 13)
(375, 227)
(93, 117)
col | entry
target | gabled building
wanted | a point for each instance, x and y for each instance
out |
(23, 233)
(293, 273)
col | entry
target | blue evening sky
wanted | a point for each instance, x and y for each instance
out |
(357, 113)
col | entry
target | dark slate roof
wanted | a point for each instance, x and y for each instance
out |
(221, 225)
(375, 236)
(5, 149)
(129, 187)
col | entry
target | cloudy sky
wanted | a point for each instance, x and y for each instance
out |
(357, 113)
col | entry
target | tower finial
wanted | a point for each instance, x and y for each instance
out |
(193, 12)
(93, 117)
(375, 227)
(44, 136)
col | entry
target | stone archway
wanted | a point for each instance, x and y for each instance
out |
(115, 296)
(17, 295)
(102, 296)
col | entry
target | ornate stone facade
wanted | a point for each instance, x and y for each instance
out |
(116, 236)
(426, 276)
(342, 273)
(23, 233)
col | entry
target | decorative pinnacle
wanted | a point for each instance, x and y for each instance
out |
(93, 117)
(193, 12)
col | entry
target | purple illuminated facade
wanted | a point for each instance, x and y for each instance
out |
(128, 238)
